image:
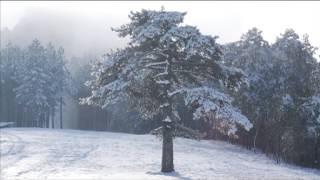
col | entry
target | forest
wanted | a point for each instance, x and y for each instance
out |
(173, 81)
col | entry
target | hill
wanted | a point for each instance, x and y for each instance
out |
(32, 153)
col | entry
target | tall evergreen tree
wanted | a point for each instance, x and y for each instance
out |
(11, 58)
(163, 61)
(252, 54)
(33, 79)
(60, 78)
(41, 78)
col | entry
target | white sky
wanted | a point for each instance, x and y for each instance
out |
(228, 19)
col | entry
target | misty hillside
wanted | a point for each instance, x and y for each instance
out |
(33, 153)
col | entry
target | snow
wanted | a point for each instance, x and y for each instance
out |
(30, 153)
(312, 107)
(164, 105)
(157, 63)
(212, 101)
(167, 119)
(143, 30)
(6, 124)
(163, 82)
(170, 94)
(162, 74)
(287, 100)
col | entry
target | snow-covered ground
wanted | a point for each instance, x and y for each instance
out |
(6, 124)
(29, 153)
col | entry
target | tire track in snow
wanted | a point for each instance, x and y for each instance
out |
(5, 150)
(12, 155)
(58, 159)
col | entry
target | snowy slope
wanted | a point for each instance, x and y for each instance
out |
(29, 153)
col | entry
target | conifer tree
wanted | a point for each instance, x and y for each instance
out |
(165, 60)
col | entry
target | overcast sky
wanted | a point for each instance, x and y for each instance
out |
(228, 20)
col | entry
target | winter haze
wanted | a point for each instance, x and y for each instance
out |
(85, 27)
(159, 90)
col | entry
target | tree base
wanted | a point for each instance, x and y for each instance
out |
(167, 170)
(167, 151)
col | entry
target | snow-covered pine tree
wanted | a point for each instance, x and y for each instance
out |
(33, 80)
(10, 59)
(252, 54)
(41, 78)
(60, 79)
(311, 110)
(166, 60)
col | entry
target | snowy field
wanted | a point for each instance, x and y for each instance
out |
(28, 153)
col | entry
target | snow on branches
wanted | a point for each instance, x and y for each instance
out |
(311, 109)
(149, 25)
(211, 104)
(165, 59)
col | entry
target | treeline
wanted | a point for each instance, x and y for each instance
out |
(282, 99)
(33, 80)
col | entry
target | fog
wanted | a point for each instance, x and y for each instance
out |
(85, 27)
(78, 34)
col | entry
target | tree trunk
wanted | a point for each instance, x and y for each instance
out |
(52, 118)
(317, 159)
(47, 118)
(61, 113)
(255, 139)
(166, 109)
(2, 103)
(107, 120)
(167, 150)
(41, 120)
(23, 121)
